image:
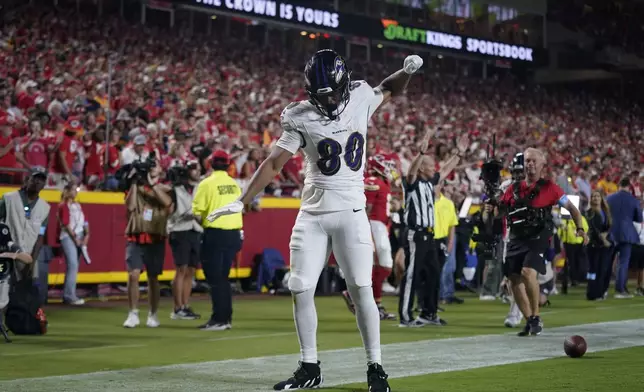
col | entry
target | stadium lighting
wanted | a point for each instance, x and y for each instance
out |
(379, 46)
(312, 36)
(213, 17)
(303, 33)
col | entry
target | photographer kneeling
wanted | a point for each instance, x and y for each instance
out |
(148, 205)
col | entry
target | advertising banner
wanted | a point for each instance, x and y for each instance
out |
(300, 14)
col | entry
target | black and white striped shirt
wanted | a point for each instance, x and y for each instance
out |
(419, 203)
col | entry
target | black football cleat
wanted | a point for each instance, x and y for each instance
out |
(384, 315)
(307, 376)
(377, 379)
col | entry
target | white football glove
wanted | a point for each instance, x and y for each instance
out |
(412, 64)
(232, 208)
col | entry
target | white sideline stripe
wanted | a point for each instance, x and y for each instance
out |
(41, 352)
(266, 335)
(345, 366)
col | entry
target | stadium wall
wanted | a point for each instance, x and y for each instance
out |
(105, 212)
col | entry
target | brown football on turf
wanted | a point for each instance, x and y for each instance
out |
(575, 346)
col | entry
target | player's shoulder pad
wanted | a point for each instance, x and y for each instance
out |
(360, 87)
(286, 118)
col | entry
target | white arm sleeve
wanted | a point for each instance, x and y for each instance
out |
(291, 139)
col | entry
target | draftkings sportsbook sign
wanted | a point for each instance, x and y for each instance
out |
(395, 32)
(299, 13)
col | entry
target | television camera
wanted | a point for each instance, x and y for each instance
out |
(491, 175)
(142, 168)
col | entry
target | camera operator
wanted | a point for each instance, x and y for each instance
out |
(27, 216)
(185, 236)
(527, 206)
(148, 205)
(9, 253)
(492, 253)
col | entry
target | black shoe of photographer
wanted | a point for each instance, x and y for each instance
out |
(526, 330)
(536, 325)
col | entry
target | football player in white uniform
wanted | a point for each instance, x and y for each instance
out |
(331, 128)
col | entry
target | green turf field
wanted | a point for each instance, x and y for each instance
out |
(474, 352)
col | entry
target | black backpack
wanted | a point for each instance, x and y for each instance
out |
(24, 315)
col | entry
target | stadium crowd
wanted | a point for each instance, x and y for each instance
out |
(182, 97)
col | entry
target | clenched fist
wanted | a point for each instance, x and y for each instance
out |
(412, 64)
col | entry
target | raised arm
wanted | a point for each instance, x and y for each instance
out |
(395, 84)
(412, 174)
(450, 164)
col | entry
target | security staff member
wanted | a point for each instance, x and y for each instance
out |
(576, 266)
(423, 265)
(528, 208)
(222, 238)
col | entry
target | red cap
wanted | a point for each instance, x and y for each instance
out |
(74, 124)
(221, 156)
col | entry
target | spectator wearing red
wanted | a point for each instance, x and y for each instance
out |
(636, 188)
(36, 148)
(65, 153)
(8, 149)
(27, 98)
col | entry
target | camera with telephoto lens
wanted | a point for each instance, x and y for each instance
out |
(177, 175)
(491, 176)
(6, 263)
(143, 167)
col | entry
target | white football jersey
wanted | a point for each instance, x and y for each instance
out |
(334, 150)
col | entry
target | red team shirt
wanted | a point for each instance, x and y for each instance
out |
(37, 152)
(377, 192)
(549, 194)
(69, 145)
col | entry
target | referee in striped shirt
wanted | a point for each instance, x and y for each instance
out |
(422, 276)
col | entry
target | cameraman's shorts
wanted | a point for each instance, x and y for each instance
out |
(186, 247)
(529, 259)
(150, 256)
